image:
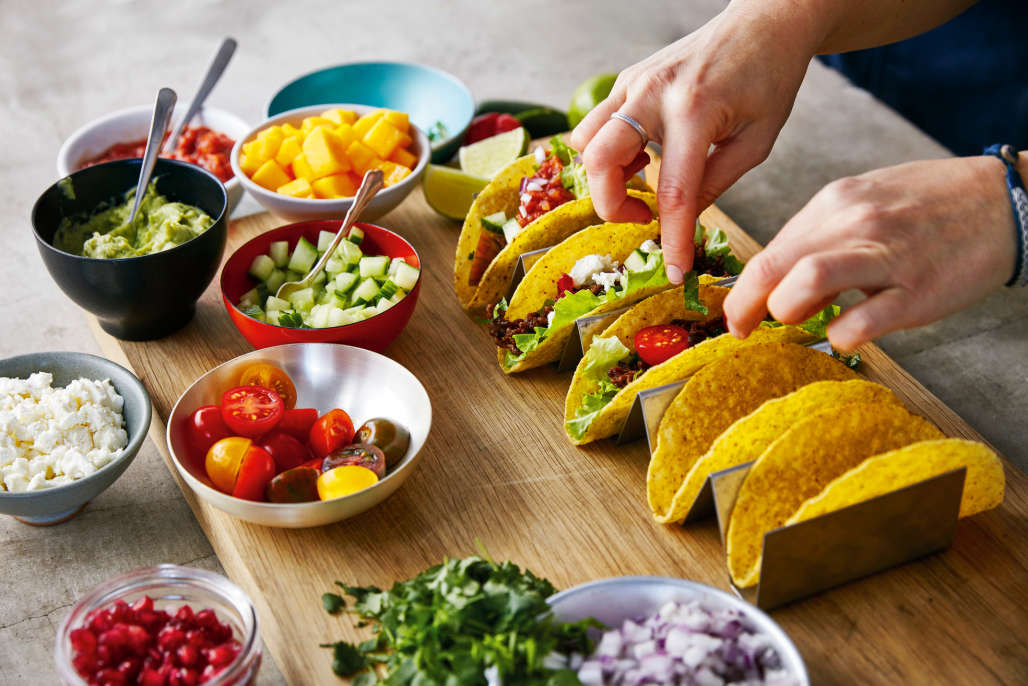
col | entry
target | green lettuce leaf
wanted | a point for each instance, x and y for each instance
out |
(603, 354)
(565, 311)
(691, 293)
(816, 325)
(564, 152)
(717, 245)
(644, 279)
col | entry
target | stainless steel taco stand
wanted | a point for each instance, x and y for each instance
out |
(525, 262)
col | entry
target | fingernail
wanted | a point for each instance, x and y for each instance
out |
(674, 274)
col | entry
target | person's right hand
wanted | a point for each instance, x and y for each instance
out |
(730, 85)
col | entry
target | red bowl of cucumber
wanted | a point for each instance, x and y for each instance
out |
(363, 297)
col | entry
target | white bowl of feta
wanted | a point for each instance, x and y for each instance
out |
(70, 423)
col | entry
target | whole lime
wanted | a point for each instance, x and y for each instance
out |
(588, 95)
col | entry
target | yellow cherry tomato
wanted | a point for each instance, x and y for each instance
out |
(335, 483)
(269, 376)
(223, 460)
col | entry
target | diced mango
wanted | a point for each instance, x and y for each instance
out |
(397, 119)
(340, 116)
(404, 158)
(362, 158)
(288, 151)
(297, 188)
(364, 124)
(346, 134)
(392, 172)
(383, 138)
(325, 153)
(270, 176)
(256, 153)
(311, 123)
(302, 168)
(268, 142)
(249, 163)
(290, 130)
(336, 186)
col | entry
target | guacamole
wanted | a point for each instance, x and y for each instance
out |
(159, 225)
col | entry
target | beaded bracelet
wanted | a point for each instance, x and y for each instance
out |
(1019, 203)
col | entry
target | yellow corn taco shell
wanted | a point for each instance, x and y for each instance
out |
(501, 195)
(540, 283)
(747, 438)
(802, 462)
(721, 393)
(661, 309)
(891, 471)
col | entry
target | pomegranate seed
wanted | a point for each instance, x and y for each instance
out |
(104, 655)
(129, 668)
(109, 677)
(221, 655)
(83, 641)
(207, 619)
(138, 639)
(184, 614)
(144, 604)
(84, 664)
(188, 677)
(170, 639)
(121, 612)
(188, 655)
(210, 672)
(196, 637)
(99, 621)
(151, 677)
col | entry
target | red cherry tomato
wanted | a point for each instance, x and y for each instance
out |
(481, 127)
(205, 427)
(658, 343)
(255, 473)
(506, 122)
(269, 376)
(251, 410)
(334, 429)
(298, 422)
(564, 284)
(285, 450)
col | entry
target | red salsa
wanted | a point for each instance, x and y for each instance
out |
(542, 192)
(197, 144)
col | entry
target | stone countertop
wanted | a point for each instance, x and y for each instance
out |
(65, 64)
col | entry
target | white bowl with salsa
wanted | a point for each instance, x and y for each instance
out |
(131, 125)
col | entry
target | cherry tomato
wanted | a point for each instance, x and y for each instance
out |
(391, 438)
(360, 454)
(298, 485)
(223, 460)
(489, 124)
(334, 429)
(662, 342)
(506, 122)
(205, 427)
(298, 422)
(255, 472)
(269, 376)
(251, 410)
(285, 450)
(335, 483)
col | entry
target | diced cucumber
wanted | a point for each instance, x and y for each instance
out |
(279, 252)
(325, 239)
(319, 316)
(254, 311)
(494, 222)
(334, 266)
(652, 260)
(277, 278)
(373, 266)
(304, 256)
(383, 305)
(353, 314)
(261, 267)
(636, 262)
(388, 289)
(511, 228)
(251, 297)
(368, 312)
(406, 276)
(394, 265)
(294, 275)
(398, 296)
(271, 316)
(321, 278)
(356, 236)
(366, 292)
(348, 253)
(326, 298)
(337, 317)
(274, 303)
(303, 299)
(345, 281)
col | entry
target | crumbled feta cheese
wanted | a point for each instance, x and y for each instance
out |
(649, 246)
(53, 436)
(586, 266)
(609, 279)
(549, 318)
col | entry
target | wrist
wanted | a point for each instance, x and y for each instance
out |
(798, 27)
(1008, 169)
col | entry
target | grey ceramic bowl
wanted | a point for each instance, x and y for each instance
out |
(630, 597)
(55, 505)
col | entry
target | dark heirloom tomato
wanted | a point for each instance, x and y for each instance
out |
(297, 422)
(285, 450)
(388, 436)
(359, 454)
(298, 485)
(205, 427)
(269, 376)
(251, 410)
(334, 429)
(655, 344)
(255, 471)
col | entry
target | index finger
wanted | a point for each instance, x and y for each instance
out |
(595, 119)
(681, 173)
(613, 150)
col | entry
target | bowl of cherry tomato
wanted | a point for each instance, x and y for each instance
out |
(299, 435)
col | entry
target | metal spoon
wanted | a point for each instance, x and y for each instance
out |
(373, 179)
(214, 72)
(158, 125)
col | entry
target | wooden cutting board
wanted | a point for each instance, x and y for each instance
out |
(497, 468)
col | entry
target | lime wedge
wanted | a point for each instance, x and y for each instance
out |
(487, 157)
(450, 191)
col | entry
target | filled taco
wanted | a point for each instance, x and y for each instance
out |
(662, 339)
(599, 269)
(537, 201)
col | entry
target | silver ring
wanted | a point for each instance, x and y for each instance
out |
(621, 116)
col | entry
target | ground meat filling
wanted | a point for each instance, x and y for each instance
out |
(624, 373)
(503, 330)
(702, 264)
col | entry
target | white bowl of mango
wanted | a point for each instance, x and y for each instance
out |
(307, 163)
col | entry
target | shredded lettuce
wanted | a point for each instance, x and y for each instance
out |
(716, 245)
(603, 354)
(691, 293)
(644, 279)
(817, 325)
(564, 152)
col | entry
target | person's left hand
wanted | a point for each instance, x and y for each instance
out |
(921, 240)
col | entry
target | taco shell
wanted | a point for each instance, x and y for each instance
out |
(717, 396)
(502, 195)
(802, 462)
(747, 438)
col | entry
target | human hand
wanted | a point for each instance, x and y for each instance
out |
(921, 240)
(730, 84)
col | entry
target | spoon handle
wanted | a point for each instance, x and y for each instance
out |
(373, 179)
(158, 125)
(218, 64)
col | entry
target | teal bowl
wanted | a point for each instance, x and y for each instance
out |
(428, 95)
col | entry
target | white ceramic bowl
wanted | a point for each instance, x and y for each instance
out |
(630, 597)
(133, 124)
(306, 209)
(327, 375)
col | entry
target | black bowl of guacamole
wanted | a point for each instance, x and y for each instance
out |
(144, 280)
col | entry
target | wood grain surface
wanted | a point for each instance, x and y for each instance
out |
(498, 469)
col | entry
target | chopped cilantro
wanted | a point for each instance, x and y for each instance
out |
(851, 361)
(292, 319)
(332, 602)
(437, 132)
